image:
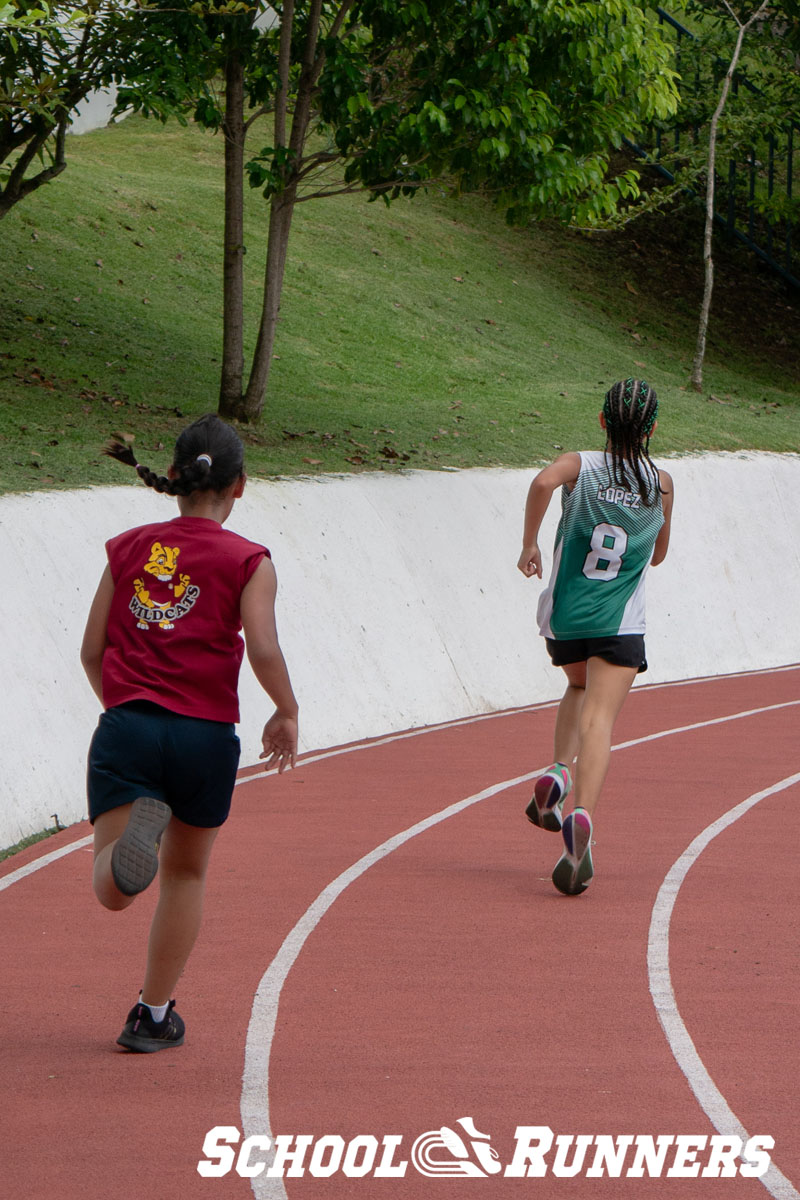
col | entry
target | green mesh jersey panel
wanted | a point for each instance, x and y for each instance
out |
(603, 547)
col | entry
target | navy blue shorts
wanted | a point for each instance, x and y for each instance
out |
(142, 749)
(624, 650)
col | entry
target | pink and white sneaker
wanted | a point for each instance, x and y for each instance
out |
(574, 871)
(549, 794)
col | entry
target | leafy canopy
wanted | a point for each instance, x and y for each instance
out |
(527, 101)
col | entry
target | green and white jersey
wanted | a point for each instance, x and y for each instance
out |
(603, 547)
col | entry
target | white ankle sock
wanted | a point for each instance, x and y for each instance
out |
(157, 1011)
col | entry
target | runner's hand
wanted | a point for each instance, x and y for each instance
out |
(279, 740)
(530, 561)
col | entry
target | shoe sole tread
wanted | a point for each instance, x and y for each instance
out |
(134, 861)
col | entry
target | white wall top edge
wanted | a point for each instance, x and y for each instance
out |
(399, 603)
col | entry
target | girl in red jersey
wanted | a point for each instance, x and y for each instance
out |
(162, 650)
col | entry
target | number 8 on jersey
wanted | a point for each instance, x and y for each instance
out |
(608, 544)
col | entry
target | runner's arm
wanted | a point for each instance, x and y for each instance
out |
(257, 610)
(667, 496)
(564, 470)
(94, 637)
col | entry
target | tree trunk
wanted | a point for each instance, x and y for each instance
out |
(17, 186)
(280, 223)
(282, 208)
(696, 378)
(231, 402)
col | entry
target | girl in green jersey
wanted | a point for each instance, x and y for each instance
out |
(616, 507)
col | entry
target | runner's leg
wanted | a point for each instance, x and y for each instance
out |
(565, 745)
(607, 686)
(108, 828)
(183, 864)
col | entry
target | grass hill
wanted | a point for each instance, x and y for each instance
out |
(424, 335)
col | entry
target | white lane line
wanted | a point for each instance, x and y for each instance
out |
(261, 1030)
(678, 1038)
(399, 737)
(44, 861)
(254, 1104)
(255, 1083)
(354, 747)
(713, 678)
(367, 744)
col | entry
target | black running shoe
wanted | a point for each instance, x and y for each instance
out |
(144, 1035)
(134, 859)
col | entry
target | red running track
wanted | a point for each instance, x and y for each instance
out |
(447, 979)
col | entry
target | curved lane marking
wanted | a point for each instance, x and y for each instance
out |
(44, 861)
(367, 744)
(678, 1038)
(261, 1029)
(254, 1106)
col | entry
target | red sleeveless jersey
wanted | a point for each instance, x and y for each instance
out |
(174, 626)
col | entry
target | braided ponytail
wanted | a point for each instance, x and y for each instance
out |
(209, 457)
(630, 410)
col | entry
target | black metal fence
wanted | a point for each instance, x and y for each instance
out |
(754, 190)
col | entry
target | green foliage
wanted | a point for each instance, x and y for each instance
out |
(17, 14)
(426, 335)
(52, 55)
(521, 100)
(756, 124)
(268, 169)
(527, 101)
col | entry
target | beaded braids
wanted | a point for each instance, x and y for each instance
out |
(208, 457)
(630, 410)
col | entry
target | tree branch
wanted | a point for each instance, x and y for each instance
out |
(263, 111)
(347, 189)
(17, 186)
(284, 64)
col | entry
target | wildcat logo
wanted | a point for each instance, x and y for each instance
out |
(163, 563)
(475, 1158)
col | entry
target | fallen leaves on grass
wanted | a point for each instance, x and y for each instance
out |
(35, 377)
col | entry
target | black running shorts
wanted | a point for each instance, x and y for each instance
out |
(142, 749)
(625, 650)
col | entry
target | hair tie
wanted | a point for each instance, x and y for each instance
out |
(204, 458)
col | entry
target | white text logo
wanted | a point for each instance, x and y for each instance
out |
(465, 1151)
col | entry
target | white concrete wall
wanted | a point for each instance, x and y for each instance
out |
(399, 604)
(95, 111)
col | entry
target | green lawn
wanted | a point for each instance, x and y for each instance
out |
(424, 335)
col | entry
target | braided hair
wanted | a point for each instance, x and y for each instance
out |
(209, 457)
(630, 410)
